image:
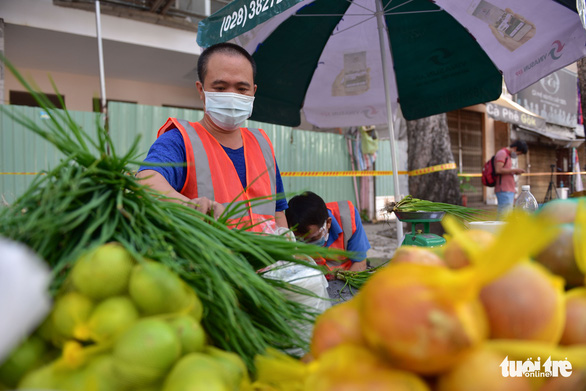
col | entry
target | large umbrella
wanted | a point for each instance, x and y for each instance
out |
(355, 62)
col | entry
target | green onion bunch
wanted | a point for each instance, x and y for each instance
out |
(355, 279)
(92, 198)
(411, 204)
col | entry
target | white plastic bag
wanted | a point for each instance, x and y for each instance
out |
(24, 295)
(305, 277)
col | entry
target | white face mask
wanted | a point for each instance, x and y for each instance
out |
(228, 110)
(324, 238)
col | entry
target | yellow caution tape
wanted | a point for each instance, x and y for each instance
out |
(337, 173)
(429, 170)
(419, 171)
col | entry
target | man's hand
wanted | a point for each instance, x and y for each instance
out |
(358, 266)
(517, 171)
(207, 206)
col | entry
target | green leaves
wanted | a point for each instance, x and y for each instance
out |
(410, 204)
(92, 198)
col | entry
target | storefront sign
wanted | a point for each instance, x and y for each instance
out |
(507, 114)
(554, 97)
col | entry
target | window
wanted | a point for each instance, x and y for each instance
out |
(23, 98)
(96, 102)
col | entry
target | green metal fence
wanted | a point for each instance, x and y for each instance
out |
(23, 153)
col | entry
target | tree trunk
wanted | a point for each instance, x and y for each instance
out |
(429, 145)
(582, 82)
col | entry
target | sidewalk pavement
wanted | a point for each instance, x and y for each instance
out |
(383, 243)
(382, 236)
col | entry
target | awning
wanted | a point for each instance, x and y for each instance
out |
(558, 135)
(505, 110)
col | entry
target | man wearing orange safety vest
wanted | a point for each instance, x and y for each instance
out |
(224, 162)
(334, 225)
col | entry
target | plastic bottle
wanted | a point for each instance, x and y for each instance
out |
(526, 200)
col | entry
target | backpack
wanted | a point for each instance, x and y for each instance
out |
(489, 175)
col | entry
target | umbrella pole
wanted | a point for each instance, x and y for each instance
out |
(103, 106)
(381, 38)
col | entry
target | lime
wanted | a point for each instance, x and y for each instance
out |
(190, 333)
(110, 317)
(155, 289)
(196, 372)
(234, 369)
(25, 357)
(44, 378)
(69, 311)
(103, 272)
(100, 374)
(145, 352)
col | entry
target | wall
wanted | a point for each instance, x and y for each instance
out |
(43, 14)
(80, 89)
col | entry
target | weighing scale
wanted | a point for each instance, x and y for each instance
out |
(417, 237)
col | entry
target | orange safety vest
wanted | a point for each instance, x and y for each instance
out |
(211, 173)
(343, 212)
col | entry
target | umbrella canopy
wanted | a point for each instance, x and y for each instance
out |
(323, 56)
(351, 62)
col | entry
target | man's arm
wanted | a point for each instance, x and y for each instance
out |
(499, 167)
(157, 182)
(358, 243)
(281, 220)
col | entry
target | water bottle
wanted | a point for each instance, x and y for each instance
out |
(526, 201)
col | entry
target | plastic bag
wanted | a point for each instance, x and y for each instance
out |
(270, 227)
(305, 277)
(369, 145)
(24, 294)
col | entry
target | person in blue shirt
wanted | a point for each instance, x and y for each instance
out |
(217, 150)
(334, 225)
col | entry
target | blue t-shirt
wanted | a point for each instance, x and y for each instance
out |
(170, 148)
(357, 243)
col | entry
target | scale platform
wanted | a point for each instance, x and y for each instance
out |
(418, 237)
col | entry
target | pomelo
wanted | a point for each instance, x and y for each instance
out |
(356, 368)
(480, 371)
(575, 325)
(561, 210)
(413, 254)
(560, 259)
(456, 257)
(337, 325)
(420, 318)
(526, 303)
